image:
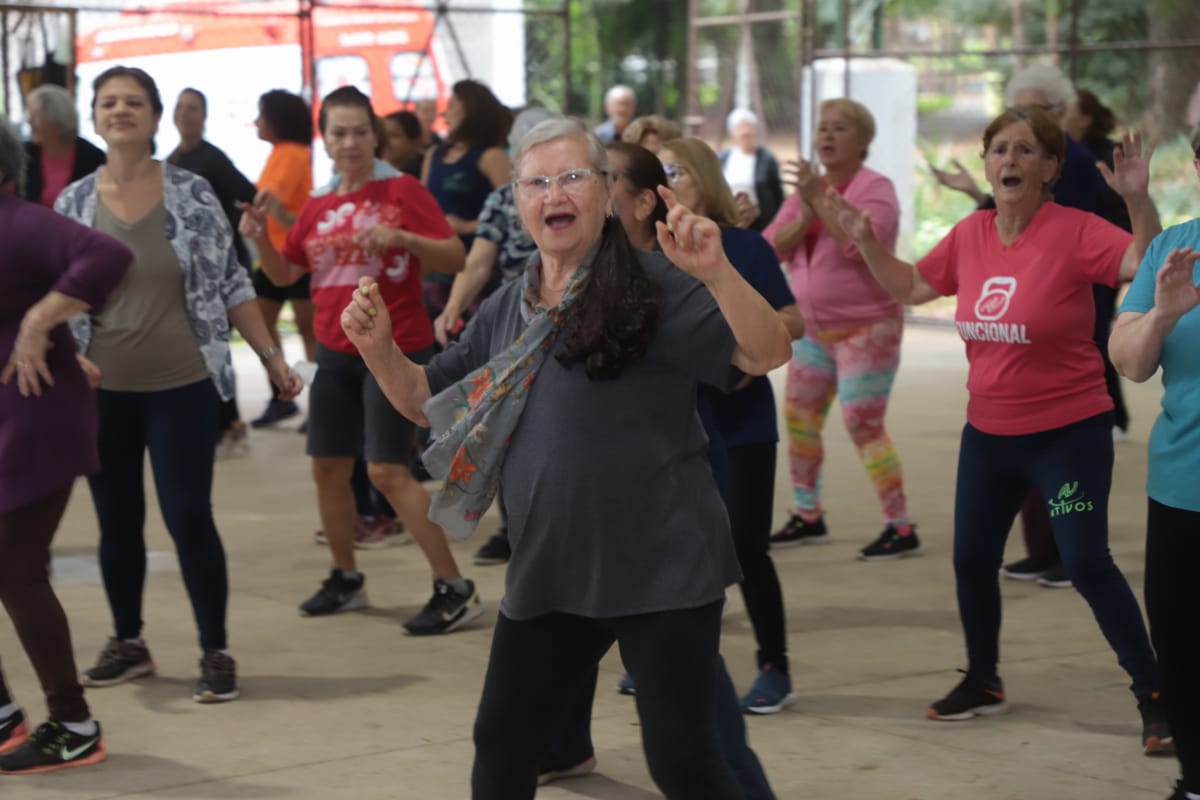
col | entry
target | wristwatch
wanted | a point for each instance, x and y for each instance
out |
(268, 354)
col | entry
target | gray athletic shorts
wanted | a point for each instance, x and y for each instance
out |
(349, 416)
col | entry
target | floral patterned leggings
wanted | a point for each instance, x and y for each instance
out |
(859, 366)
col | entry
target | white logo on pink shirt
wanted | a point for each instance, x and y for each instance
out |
(994, 299)
(993, 303)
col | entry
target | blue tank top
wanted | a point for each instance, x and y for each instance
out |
(459, 188)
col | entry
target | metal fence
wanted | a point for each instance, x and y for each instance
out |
(1142, 60)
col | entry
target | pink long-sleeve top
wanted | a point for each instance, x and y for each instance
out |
(833, 286)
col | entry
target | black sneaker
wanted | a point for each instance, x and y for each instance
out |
(337, 593)
(276, 411)
(218, 678)
(971, 698)
(1055, 577)
(1156, 734)
(446, 610)
(891, 544)
(1179, 793)
(13, 731)
(495, 550)
(797, 531)
(118, 662)
(53, 747)
(1027, 569)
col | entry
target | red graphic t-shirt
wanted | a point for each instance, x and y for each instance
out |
(323, 241)
(1027, 315)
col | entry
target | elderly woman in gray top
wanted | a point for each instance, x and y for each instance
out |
(573, 391)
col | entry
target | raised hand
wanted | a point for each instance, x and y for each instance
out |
(803, 175)
(747, 210)
(1175, 289)
(690, 241)
(366, 320)
(1130, 175)
(959, 180)
(253, 224)
(854, 221)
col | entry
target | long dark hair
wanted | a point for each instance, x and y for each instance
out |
(615, 317)
(1103, 121)
(485, 120)
(644, 172)
(288, 116)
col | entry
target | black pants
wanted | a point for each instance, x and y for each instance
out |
(1071, 467)
(539, 667)
(25, 591)
(1173, 605)
(750, 499)
(179, 429)
(1035, 523)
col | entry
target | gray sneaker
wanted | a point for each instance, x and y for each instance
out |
(119, 661)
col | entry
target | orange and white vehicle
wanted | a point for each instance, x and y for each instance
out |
(235, 51)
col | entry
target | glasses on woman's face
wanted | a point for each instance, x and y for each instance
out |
(674, 172)
(573, 182)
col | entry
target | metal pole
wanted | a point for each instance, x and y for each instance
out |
(844, 24)
(689, 119)
(4, 59)
(566, 26)
(73, 60)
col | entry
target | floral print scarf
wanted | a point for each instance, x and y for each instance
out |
(474, 419)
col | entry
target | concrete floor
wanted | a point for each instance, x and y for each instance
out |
(349, 707)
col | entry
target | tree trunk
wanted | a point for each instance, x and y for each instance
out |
(1174, 106)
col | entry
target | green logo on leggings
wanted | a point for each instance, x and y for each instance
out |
(1069, 501)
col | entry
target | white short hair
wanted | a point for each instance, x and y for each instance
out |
(560, 127)
(1045, 78)
(617, 90)
(57, 107)
(739, 115)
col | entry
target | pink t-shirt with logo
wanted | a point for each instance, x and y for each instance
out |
(1027, 315)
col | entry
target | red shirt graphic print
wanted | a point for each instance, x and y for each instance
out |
(325, 240)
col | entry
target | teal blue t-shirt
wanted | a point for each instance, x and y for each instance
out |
(1175, 440)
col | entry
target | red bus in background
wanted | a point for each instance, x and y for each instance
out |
(234, 52)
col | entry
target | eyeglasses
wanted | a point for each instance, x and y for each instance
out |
(573, 181)
(674, 171)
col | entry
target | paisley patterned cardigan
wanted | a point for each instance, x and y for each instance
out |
(213, 280)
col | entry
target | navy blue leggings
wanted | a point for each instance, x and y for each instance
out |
(1071, 467)
(179, 428)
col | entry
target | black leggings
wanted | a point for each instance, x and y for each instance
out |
(179, 429)
(1172, 605)
(1071, 467)
(750, 499)
(539, 667)
(25, 591)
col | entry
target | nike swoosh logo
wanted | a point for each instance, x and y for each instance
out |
(8, 723)
(69, 753)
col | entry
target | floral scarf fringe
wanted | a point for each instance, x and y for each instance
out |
(474, 419)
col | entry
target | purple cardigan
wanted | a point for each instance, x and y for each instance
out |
(47, 441)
